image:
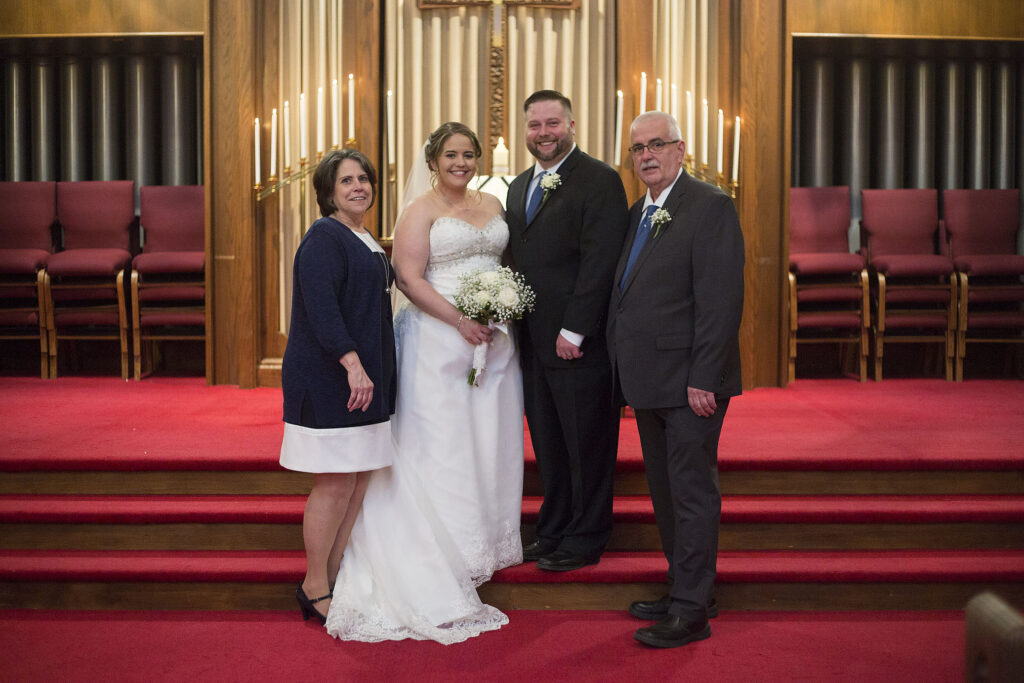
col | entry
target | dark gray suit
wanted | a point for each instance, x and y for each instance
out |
(567, 254)
(675, 323)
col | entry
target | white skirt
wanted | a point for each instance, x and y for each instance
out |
(340, 449)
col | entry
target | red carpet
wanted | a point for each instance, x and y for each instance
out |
(104, 423)
(535, 646)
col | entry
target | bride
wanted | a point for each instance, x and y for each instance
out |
(445, 516)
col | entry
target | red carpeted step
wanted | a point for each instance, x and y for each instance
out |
(832, 509)
(282, 509)
(895, 566)
(272, 509)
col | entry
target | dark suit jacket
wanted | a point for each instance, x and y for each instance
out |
(339, 304)
(568, 253)
(675, 323)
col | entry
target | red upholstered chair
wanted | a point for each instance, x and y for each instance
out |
(168, 288)
(87, 296)
(27, 214)
(915, 293)
(828, 285)
(982, 230)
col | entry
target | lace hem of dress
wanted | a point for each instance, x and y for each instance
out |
(485, 559)
(349, 622)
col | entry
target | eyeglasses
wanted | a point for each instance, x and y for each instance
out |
(656, 147)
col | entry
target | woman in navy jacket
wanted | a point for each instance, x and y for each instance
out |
(338, 374)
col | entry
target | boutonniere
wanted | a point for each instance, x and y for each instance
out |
(549, 183)
(660, 218)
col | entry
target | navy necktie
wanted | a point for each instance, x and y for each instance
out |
(642, 231)
(538, 194)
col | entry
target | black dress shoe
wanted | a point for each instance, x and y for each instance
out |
(538, 549)
(564, 561)
(673, 631)
(658, 609)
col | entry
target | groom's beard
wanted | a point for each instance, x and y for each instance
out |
(562, 145)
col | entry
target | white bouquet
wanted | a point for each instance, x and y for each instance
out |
(493, 298)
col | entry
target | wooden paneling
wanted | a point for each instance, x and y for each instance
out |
(75, 17)
(635, 54)
(945, 18)
(230, 95)
(360, 47)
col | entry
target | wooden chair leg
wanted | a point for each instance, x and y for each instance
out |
(862, 353)
(136, 327)
(951, 349)
(880, 328)
(51, 332)
(44, 353)
(122, 324)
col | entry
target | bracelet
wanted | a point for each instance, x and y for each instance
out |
(458, 325)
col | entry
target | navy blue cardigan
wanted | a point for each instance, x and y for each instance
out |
(339, 304)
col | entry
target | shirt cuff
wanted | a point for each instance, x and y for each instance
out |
(573, 337)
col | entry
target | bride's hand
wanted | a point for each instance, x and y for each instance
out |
(474, 332)
(359, 384)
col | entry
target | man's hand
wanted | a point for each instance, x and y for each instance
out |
(701, 402)
(566, 350)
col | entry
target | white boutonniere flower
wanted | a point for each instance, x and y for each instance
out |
(660, 218)
(550, 182)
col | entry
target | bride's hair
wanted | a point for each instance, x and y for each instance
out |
(435, 143)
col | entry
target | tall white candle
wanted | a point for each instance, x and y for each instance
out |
(674, 94)
(499, 158)
(643, 91)
(692, 41)
(351, 107)
(736, 152)
(273, 142)
(287, 133)
(391, 127)
(618, 127)
(256, 147)
(657, 95)
(303, 130)
(721, 145)
(691, 125)
(704, 142)
(705, 46)
(320, 120)
(335, 113)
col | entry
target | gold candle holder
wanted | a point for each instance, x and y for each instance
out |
(688, 162)
(350, 142)
(734, 187)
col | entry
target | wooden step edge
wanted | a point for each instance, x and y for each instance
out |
(288, 509)
(772, 566)
(280, 596)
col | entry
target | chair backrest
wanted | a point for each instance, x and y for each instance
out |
(27, 211)
(173, 217)
(96, 214)
(819, 219)
(982, 221)
(900, 221)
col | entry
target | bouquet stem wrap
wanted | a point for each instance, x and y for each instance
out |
(480, 354)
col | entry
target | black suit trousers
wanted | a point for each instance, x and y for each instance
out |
(681, 459)
(574, 429)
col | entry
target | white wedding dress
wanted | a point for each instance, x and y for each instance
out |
(445, 516)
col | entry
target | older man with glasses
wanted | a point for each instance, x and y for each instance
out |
(673, 338)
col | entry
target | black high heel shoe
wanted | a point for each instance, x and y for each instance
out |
(306, 605)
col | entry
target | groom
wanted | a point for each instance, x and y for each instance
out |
(567, 218)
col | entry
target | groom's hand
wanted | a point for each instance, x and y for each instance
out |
(566, 350)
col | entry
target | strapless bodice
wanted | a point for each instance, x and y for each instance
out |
(458, 247)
